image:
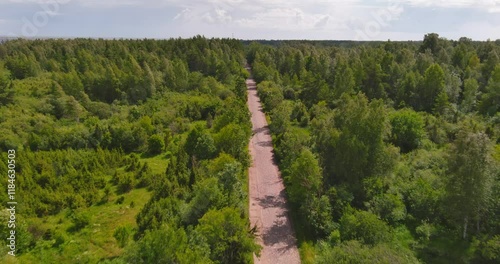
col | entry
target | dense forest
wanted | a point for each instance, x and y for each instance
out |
(136, 151)
(128, 151)
(389, 151)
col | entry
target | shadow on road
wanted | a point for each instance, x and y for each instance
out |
(264, 130)
(271, 201)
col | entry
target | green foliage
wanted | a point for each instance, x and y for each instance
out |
(126, 183)
(122, 235)
(318, 216)
(407, 129)
(74, 179)
(344, 81)
(358, 145)
(156, 144)
(158, 212)
(364, 227)
(165, 245)
(432, 86)
(313, 89)
(22, 66)
(300, 114)
(200, 143)
(235, 111)
(228, 236)
(491, 99)
(6, 91)
(263, 73)
(291, 141)
(206, 195)
(441, 189)
(304, 180)
(490, 251)
(241, 87)
(423, 185)
(80, 220)
(389, 206)
(270, 95)
(425, 231)
(233, 140)
(470, 175)
(470, 98)
(75, 108)
(280, 118)
(24, 238)
(229, 178)
(372, 83)
(355, 252)
(431, 42)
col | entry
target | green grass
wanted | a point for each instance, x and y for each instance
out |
(92, 243)
(158, 164)
(302, 131)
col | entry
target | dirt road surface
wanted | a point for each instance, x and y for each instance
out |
(268, 206)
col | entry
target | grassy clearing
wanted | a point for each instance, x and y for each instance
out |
(90, 244)
(158, 164)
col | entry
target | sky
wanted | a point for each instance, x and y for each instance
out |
(252, 19)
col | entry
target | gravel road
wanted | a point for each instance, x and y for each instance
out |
(268, 205)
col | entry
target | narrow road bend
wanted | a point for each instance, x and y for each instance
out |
(268, 205)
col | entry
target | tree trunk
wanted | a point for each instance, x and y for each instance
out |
(466, 221)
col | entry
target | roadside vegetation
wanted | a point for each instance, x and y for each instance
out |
(389, 150)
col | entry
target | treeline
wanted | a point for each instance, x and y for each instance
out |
(93, 120)
(75, 80)
(390, 151)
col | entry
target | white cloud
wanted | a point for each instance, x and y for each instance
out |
(212, 15)
(109, 3)
(222, 15)
(284, 19)
(218, 16)
(491, 6)
(324, 17)
(184, 14)
(85, 3)
(39, 2)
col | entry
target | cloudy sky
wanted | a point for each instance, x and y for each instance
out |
(252, 19)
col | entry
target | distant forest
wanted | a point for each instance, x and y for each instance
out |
(136, 151)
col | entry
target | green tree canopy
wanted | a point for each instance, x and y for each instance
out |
(228, 236)
(304, 177)
(470, 179)
(432, 86)
(407, 129)
(156, 144)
